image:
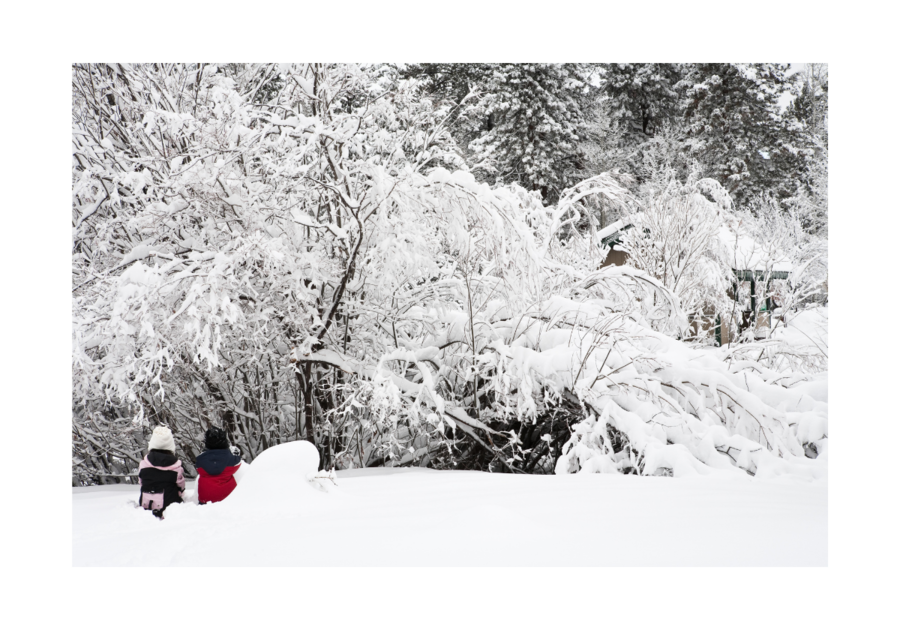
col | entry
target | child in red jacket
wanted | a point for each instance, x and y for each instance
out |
(161, 474)
(216, 467)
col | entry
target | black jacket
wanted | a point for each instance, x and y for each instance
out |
(161, 473)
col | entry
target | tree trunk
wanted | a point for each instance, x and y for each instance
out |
(308, 403)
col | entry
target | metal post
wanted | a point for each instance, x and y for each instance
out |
(752, 298)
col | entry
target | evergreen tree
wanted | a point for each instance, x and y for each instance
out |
(642, 97)
(735, 129)
(537, 112)
(522, 123)
(449, 82)
(808, 113)
(646, 122)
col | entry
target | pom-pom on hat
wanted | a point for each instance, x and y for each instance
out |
(216, 438)
(162, 439)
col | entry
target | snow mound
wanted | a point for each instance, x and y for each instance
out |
(292, 458)
(279, 477)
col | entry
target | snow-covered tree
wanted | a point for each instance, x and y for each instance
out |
(522, 123)
(677, 238)
(724, 120)
(538, 113)
(809, 112)
(211, 236)
(735, 129)
(643, 97)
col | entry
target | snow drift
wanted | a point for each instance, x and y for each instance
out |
(283, 478)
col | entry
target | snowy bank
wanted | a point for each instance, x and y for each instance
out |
(422, 517)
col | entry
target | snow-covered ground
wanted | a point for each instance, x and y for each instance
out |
(421, 517)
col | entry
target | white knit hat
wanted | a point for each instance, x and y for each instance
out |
(162, 439)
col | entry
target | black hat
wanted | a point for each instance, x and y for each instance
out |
(216, 438)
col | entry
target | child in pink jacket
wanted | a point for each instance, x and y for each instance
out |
(161, 474)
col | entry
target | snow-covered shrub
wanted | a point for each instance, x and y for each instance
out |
(676, 239)
(770, 239)
(211, 235)
(684, 411)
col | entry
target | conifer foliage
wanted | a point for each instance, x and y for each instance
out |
(734, 126)
(643, 97)
(520, 123)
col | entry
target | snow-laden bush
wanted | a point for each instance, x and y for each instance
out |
(769, 239)
(212, 234)
(676, 238)
(670, 409)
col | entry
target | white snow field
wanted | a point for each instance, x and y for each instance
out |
(421, 517)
